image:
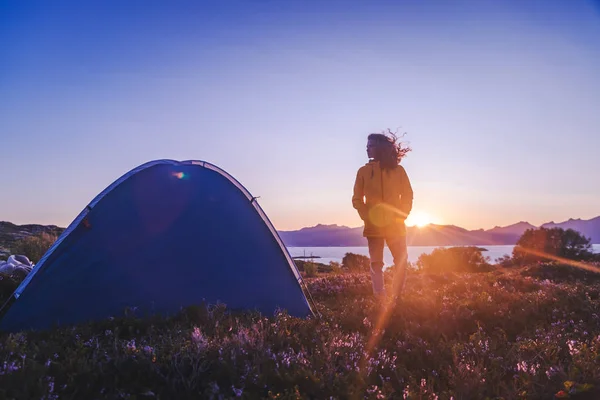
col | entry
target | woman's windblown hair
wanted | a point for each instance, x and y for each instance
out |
(389, 152)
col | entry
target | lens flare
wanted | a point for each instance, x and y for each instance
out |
(419, 219)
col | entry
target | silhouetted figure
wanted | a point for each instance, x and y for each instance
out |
(383, 197)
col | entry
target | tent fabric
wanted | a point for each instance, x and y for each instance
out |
(166, 235)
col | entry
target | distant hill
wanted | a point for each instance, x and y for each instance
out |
(323, 236)
(589, 228)
(515, 229)
(432, 235)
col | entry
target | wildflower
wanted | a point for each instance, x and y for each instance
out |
(238, 392)
(8, 368)
(51, 384)
(406, 392)
(214, 387)
(199, 339)
(552, 371)
(131, 347)
(572, 344)
(526, 368)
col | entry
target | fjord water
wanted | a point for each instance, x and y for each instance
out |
(328, 254)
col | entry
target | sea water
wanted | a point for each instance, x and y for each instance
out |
(327, 254)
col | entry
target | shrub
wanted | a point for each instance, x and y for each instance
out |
(8, 284)
(454, 259)
(319, 267)
(300, 264)
(335, 267)
(310, 269)
(34, 246)
(356, 262)
(536, 245)
(505, 261)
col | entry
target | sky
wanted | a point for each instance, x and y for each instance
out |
(499, 101)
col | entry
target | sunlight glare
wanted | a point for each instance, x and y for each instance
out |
(419, 219)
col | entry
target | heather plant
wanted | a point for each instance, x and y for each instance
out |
(560, 272)
(503, 334)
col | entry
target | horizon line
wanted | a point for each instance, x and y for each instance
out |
(360, 226)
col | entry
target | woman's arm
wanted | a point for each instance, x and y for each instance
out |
(406, 193)
(358, 201)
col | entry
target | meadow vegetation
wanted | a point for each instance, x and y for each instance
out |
(34, 246)
(485, 331)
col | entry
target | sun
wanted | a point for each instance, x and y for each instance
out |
(419, 219)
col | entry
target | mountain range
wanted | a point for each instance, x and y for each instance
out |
(433, 235)
(335, 235)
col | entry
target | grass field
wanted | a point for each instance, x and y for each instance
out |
(530, 333)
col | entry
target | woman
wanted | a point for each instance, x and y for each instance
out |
(383, 197)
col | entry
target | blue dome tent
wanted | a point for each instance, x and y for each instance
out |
(166, 235)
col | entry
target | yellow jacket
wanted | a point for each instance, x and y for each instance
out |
(383, 199)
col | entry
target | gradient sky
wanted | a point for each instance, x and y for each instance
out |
(500, 101)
